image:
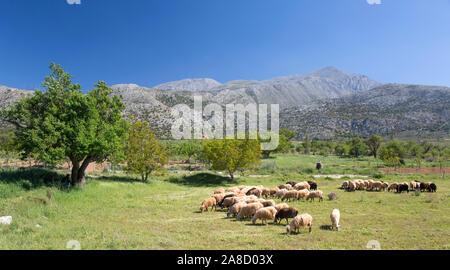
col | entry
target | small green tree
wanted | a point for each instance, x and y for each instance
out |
(232, 154)
(392, 153)
(144, 154)
(62, 122)
(357, 147)
(342, 149)
(374, 143)
(189, 148)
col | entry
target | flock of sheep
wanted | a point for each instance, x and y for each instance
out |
(371, 185)
(244, 202)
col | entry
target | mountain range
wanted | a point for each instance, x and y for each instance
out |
(326, 103)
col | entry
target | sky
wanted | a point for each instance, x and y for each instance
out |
(148, 42)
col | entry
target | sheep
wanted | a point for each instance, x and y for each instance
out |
(432, 187)
(233, 190)
(384, 185)
(303, 220)
(393, 186)
(423, 186)
(335, 216)
(227, 195)
(414, 185)
(255, 191)
(312, 185)
(219, 191)
(376, 185)
(265, 192)
(280, 193)
(218, 197)
(345, 185)
(228, 202)
(285, 213)
(236, 208)
(291, 194)
(403, 187)
(315, 194)
(301, 194)
(281, 206)
(208, 202)
(292, 183)
(273, 191)
(249, 210)
(351, 186)
(302, 185)
(267, 203)
(286, 186)
(264, 214)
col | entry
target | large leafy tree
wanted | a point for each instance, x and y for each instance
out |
(374, 143)
(144, 154)
(392, 153)
(232, 154)
(357, 147)
(61, 122)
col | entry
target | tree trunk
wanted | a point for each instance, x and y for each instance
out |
(78, 172)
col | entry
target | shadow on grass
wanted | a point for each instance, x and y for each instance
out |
(115, 178)
(326, 227)
(201, 180)
(31, 178)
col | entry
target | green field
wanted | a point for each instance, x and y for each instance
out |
(115, 211)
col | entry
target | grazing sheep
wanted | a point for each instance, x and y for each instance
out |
(273, 191)
(265, 192)
(264, 214)
(303, 220)
(233, 190)
(281, 206)
(280, 193)
(345, 185)
(423, 186)
(312, 185)
(414, 185)
(235, 209)
(384, 185)
(315, 194)
(351, 186)
(208, 202)
(302, 185)
(228, 202)
(432, 187)
(332, 196)
(393, 186)
(286, 186)
(255, 191)
(292, 183)
(218, 197)
(301, 194)
(219, 191)
(268, 203)
(285, 213)
(403, 187)
(376, 185)
(291, 194)
(335, 216)
(227, 195)
(249, 210)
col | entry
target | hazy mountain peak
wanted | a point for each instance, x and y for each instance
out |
(194, 85)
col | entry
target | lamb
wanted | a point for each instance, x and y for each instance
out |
(280, 193)
(208, 202)
(249, 210)
(303, 220)
(292, 183)
(286, 186)
(301, 194)
(302, 185)
(393, 186)
(315, 194)
(236, 208)
(291, 194)
(312, 185)
(335, 216)
(264, 214)
(285, 213)
(281, 206)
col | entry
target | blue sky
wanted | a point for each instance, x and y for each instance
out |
(148, 42)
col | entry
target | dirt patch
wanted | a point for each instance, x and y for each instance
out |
(424, 170)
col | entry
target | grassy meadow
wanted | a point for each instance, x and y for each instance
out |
(116, 211)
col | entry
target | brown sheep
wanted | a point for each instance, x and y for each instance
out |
(273, 191)
(286, 186)
(267, 203)
(249, 210)
(312, 185)
(265, 192)
(292, 183)
(218, 197)
(303, 220)
(264, 214)
(285, 213)
(219, 191)
(315, 194)
(255, 191)
(302, 185)
(291, 194)
(302, 194)
(280, 193)
(236, 208)
(208, 202)
(393, 186)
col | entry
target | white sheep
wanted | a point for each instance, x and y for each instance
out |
(249, 210)
(303, 220)
(335, 216)
(236, 208)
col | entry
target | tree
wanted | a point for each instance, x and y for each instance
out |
(342, 149)
(189, 148)
(61, 123)
(232, 154)
(392, 153)
(144, 154)
(357, 147)
(307, 144)
(374, 143)
(284, 144)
